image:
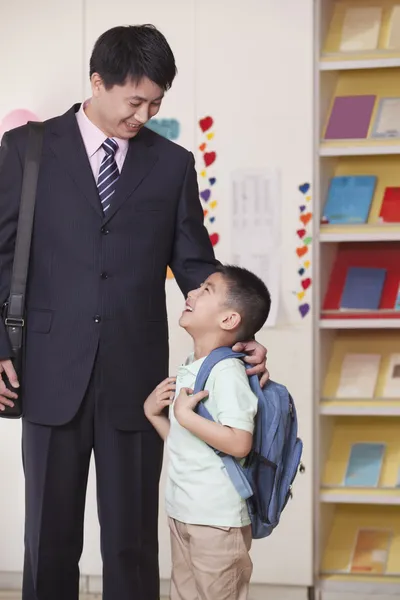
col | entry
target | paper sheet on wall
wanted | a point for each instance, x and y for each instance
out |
(256, 229)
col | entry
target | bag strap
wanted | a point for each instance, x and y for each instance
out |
(232, 466)
(16, 303)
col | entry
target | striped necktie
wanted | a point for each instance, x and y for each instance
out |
(108, 173)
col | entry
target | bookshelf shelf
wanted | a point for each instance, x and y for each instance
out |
(351, 408)
(359, 324)
(369, 148)
(345, 496)
(362, 233)
(341, 423)
(342, 64)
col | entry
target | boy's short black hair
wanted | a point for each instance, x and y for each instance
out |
(131, 53)
(249, 295)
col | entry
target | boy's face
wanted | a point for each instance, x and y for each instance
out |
(206, 310)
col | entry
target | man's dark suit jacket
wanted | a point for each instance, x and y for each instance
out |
(97, 284)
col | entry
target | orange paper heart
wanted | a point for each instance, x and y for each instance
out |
(202, 147)
(301, 251)
(305, 218)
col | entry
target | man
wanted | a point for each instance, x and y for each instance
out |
(116, 204)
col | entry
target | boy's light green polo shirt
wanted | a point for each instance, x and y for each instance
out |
(199, 491)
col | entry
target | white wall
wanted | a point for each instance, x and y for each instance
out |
(249, 65)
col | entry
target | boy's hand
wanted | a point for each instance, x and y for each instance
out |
(161, 397)
(186, 403)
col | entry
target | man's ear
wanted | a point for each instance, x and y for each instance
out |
(231, 321)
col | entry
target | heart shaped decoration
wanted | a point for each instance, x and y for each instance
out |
(203, 173)
(305, 284)
(300, 295)
(212, 219)
(205, 212)
(304, 187)
(210, 136)
(202, 147)
(214, 237)
(307, 241)
(301, 271)
(205, 195)
(209, 158)
(302, 208)
(307, 264)
(301, 251)
(213, 204)
(305, 218)
(301, 233)
(304, 309)
(206, 123)
(212, 180)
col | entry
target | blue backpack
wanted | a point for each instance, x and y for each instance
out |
(266, 477)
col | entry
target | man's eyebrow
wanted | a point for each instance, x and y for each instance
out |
(142, 99)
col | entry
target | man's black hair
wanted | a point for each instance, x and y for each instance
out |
(130, 53)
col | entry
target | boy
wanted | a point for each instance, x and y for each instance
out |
(209, 522)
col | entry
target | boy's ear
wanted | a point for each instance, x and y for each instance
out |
(231, 321)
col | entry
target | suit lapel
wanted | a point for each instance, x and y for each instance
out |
(139, 161)
(68, 146)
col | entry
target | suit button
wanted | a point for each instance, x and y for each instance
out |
(104, 230)
(97, 319)
(104, 275)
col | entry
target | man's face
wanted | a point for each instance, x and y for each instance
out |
(206, 311)
(123, 110)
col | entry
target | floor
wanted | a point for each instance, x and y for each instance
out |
(17, 596)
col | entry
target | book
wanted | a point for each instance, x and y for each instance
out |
(350, 117)
(380, 255)
(361, 27)
(371, 551)
(397, 302)
(364, 465)
(358, 376)
(363, 288)
(392, 381)
(387, 121)
(390, 208)
(349, 199)
(393, 39)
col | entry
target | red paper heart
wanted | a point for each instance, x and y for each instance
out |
(301, 251)
(214, 237)
(209, 158)
(301, 233)
(202, 147)
(305, 218)
(206, 123)
(305, 284)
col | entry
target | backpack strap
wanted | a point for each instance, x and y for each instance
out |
(233, 467)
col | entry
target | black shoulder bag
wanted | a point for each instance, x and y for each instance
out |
(14, 308)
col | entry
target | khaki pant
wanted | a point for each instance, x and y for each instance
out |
(210, 563)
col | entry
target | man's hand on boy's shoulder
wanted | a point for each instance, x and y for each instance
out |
(257, 356)
(162, 396)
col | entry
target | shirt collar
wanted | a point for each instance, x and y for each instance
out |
(92, 136)
(191, 365)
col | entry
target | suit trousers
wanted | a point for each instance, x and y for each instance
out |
(56, 464)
